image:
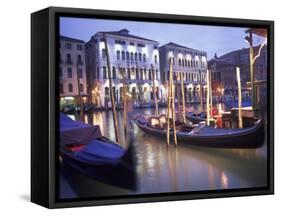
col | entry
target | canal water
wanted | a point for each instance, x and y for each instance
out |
(161, 169)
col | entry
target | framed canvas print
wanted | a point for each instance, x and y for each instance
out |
(139, 107)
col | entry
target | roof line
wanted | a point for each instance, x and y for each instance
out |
(117, 33)
(181, 46)
(71, 39)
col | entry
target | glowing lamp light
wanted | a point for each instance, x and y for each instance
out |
(69, 98)
(102, 45)
(144, 50)
(117, 47)
(131, 49)
(170, 54)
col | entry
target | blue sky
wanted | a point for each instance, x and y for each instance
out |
(212, 39)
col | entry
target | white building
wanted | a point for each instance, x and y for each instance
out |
(72, 65)
(132, 58)
(192, 63)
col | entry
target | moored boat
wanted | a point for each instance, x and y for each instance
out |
(85, 149)
(203, 135)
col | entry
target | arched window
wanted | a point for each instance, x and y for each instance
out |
(70, 87)
(144, 57)
(132, 56)
(80, 73)
(136, 57)
(106, 91)
(144, 74)
(123, 55)
(170, 60)
(185, 63)
(127, 56)
(139, 56)
(134, 93)
(68, 58)
(156, 75)
(113, 73)
(104, 73)
(69, 72)
(155, 59)
(79, 59)
(81, 87)
(149, 75)
(141, 74)
(179, 62)
(118, 55)
(137, 74)
(129, 73)
(188, 63)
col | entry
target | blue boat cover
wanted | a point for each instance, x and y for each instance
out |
(77, 132)
(234, 103)
(100, 152)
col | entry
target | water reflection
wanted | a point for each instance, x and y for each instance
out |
(185, 168)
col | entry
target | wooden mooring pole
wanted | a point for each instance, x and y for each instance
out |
(169, 104)
(182, 97)
(240, 123)
(154, 90)
(208, 98)
(116, 130)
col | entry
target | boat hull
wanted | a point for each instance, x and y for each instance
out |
(234, 138)
(118, 173)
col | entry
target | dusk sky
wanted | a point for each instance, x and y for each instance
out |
(211, 39)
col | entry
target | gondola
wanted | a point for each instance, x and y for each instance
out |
(83, 148)
(207, 136)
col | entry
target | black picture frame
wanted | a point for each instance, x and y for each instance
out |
(44, 105)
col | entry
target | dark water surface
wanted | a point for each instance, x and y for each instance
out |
(162, 169)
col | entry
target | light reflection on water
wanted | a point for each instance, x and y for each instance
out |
(186, 168)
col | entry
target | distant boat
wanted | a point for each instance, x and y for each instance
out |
(207, 136)
(84, 148)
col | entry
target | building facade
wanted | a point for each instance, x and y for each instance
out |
(134, 63)
(223, 75)
(241, 58)
(192, 63)
(72, 70)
